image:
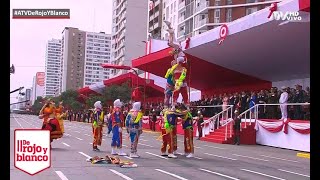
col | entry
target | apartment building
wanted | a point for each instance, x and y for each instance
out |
(155, 18)
(82, 55)
(198, 16)
(129, 29)
(52, 67)
(169, 13)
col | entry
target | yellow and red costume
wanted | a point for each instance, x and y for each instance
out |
(97, 125)
(179, 75)
(60, 115)
(50, 121)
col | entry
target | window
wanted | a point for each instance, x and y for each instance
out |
(171, 8)
(251, 1)
(251, 10)
(229, 15)
(229, 2)
(217, 2)
(175, 6)
(217, 16)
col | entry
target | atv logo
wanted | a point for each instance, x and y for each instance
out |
(286, 16)
(32, 153)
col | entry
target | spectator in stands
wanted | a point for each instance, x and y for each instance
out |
(306, 108)
(283, 101)
(253, 101)
(261, 99)
(225, 102)
(272, 99)
(298, 98)
(236, 101)
(244, 102)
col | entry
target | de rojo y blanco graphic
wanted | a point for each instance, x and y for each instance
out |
(32, 153)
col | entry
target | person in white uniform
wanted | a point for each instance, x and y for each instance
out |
(283, 103)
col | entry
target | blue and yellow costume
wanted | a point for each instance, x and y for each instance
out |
(170, 85)
(134, 127)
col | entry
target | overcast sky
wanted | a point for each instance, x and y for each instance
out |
(28, 37)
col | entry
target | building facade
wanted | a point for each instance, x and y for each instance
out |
(37, 86)
(98, 51)
(155, 18)
(52, 67)
(198, 16)
(129, 29)
(82, 55)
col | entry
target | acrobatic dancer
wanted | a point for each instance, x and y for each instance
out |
(187, 125)
(170, 118)
(170, 84)
(134, 127)
(117, 122)
(180, 72)
(163, 135)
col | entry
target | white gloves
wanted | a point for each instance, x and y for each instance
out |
(120, 129)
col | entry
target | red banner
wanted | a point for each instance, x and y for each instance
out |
(40, 78)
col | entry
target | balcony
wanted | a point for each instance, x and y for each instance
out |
(181, 5)
(202, 6)
(180, 19)
(156, 14)
(199, 23)
(156, 3)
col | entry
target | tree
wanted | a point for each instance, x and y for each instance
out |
(94, 98)
(122, 92)
(38, 104)
(70, 99)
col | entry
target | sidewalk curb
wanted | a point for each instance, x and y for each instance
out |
(304, 155)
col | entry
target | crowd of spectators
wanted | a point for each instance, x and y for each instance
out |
(240, 100)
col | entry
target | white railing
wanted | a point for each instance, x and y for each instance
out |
(221, 116)
(254, 111)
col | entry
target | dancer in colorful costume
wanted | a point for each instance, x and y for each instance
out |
(170, 83)
(60, 116)
(163, 135)
(187, 125)
(47, 113)
(117, 118)
(170, 120)
(180, 71)
(97, 125)
(134, 127)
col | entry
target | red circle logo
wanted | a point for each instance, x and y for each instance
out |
(223, 31)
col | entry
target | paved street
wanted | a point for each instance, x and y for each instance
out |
(212, 161)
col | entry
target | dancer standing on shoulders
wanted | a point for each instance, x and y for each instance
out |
(170, 83)
(134, 127)
(180, 71)
(117, 118)
(98, 118)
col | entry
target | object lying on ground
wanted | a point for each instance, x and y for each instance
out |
(111, 160)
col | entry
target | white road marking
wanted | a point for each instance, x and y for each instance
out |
(90, 143)
(197, 158)
(293, 173)
(220, 156)
(173, 175)
(197, 147)
(124, 145)
(156, 155)
(214, 147)
(79, 138)
(219, 174)
(103, 139)
(86, 155)
(120, 174)
(66, 144)
(67, 134)
(143, 140)
(266, 175)
(279, 158)
(77, 131)
(127, 157)
(61, 175)
(17, 121)
(180, 140)
(250, 157)
(145, 145)
(86, 134)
